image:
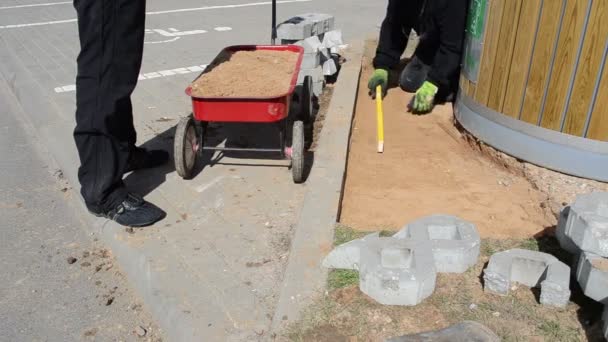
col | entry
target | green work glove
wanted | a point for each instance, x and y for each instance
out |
(379, 78)
(425, 98)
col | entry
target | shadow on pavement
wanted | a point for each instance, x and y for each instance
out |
(234, 135)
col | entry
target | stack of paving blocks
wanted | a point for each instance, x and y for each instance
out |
(402, 269)
(583, 231)
(315, 33)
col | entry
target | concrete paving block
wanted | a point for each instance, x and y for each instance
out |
(397, 272)
(316, 74)
(532, 269)
(560, 233)
(587, 223)
(348, 255)
(317, 88)
(455, 242)
(592, 275)
(310, 45)
(311, 60)
(332, 39)
(305, 25)
(330, 68)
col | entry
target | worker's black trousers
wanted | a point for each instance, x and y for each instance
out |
(111, 47)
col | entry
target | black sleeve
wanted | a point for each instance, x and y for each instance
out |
(449, 20)
(401, 17)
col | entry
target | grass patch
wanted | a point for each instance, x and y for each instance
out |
(344, 234)
(338, 279)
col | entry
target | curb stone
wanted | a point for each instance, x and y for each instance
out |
(305, 277)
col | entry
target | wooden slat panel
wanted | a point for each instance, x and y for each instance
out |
(576, 11)
(598, 128)
(488, 56)
(472, 89)
(589, 67)
(522, 54)
(541, 62)
(464, 85)
(506, 44)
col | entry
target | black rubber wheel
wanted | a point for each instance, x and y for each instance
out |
(306, 101)
(186, 147)
(297, 152)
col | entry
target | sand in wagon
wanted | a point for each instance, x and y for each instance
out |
(246, 74)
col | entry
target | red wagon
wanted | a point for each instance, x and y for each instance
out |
(191, 131)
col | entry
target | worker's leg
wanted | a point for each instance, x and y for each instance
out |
(401, 17)
(416, 71)
(111, 38)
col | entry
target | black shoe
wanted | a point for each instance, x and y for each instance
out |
(414, 75)
(134, 211)
(141, 158)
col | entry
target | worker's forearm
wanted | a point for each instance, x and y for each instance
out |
(451, 21)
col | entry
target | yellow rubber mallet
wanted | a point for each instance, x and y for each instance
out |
(380, 119)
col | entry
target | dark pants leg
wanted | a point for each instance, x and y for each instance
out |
(401, 17)
(111, 41)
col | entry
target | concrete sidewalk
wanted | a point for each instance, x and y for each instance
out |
(213, 269)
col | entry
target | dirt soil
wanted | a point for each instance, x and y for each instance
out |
(260, 73)
(428, 168)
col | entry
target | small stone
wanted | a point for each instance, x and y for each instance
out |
(472, 306)
(140, 331)
(72, 260)
(110, 301)
(129, 230)
(496, 314)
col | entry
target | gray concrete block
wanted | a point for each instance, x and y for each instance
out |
(532, 269)
(316, 74)
(560, 233)
(587, 223)
(317, 88)
(305, 25)
(455, 242)
(397, 272)
(330, 68)
(311, 60)
(592, 275)
(332, 39)
(348, 255)
(310, 45)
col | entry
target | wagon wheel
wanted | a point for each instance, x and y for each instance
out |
(306, 104)
(186, 147)
(297, 152)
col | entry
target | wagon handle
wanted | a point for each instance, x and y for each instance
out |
(274, 22)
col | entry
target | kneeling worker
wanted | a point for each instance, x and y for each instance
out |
(433, 72)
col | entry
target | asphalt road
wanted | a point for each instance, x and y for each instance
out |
(42, 296)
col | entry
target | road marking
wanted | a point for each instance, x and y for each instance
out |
(176, 34)
(36, 5)
(161, 12)
(164, 41)
(44, 23)
(147, 76)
